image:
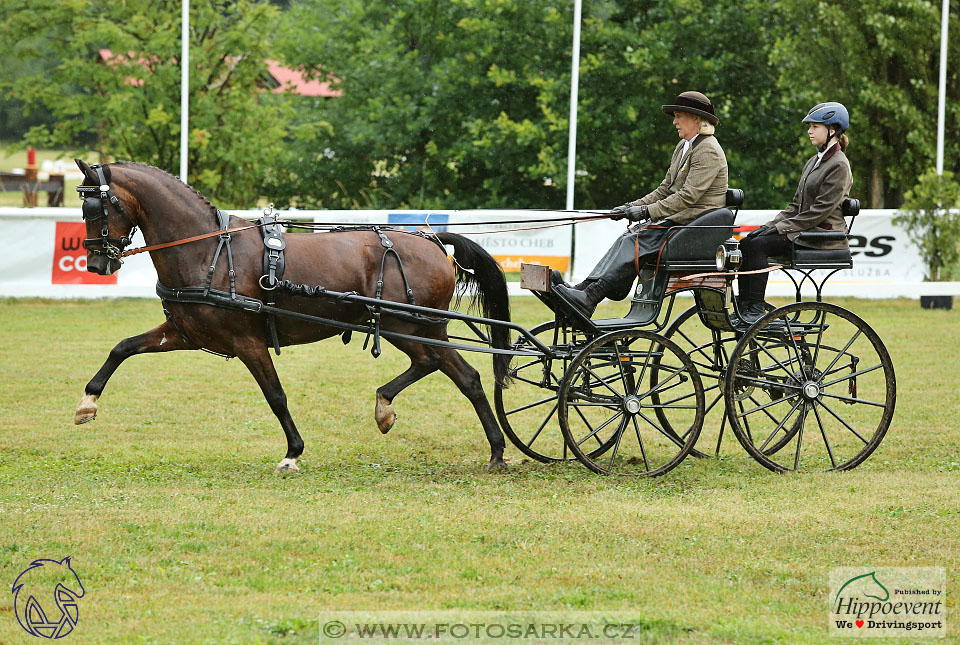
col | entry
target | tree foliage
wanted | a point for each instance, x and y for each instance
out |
(882, 60)
(931, 215)
(465, 103)
(132, 99)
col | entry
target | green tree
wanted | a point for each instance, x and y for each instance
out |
(881, 59)
(131, 98)
(931, 214)
(465, 103)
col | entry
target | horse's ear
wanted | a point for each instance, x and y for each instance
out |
(87, 172)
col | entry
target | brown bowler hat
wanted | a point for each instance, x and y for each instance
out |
(694, 103)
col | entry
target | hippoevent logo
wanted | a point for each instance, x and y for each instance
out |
(70, 258)
(45, 598)
(887, 601)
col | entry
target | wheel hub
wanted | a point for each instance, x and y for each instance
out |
(811, 390)
(631, 404)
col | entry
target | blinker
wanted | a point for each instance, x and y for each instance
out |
(92, 208)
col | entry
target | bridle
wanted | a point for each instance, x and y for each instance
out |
(96, 200)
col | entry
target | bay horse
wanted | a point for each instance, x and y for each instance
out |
(168, 210)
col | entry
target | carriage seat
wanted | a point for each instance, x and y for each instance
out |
(805, 257)
(694, 246)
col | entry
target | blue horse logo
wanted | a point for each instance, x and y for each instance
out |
(48, 579)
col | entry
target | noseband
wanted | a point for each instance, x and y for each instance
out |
(96, 199)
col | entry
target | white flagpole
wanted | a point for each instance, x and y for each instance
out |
(942, 99)
(574, 85)
(184, 86)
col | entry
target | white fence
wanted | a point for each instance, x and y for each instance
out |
(42, 253)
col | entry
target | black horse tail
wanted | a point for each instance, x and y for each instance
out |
(477, 268)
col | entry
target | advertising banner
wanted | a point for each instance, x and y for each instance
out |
(42, 253)
(885, 263)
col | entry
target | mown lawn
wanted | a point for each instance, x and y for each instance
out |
(181, 532)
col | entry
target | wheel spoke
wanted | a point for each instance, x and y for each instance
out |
(844, 350)
(616, 446)
(643, 370)
(594, 432)
(544, 424)
(746, 422)
(765, 411)
(602, 381)
(848, 426)
(816, 349)
(796, 456)
(777, 361)
(823, 433)
(710, 407)
(696, 348)
(847, 377)
(781, 424)
(531, 405)
(669, 434)
(767, 405)
(643, 453)
(660, 386)
(851, 399)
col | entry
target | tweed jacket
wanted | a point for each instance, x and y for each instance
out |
(693, 185)
(816, 204)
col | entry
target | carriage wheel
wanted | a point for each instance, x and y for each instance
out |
(527, 408)
(607, 396)
(709, 351)
(824, 389)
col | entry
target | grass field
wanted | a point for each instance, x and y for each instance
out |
(181, 532)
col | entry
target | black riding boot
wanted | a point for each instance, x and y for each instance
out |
(751, 310)
(585, 300)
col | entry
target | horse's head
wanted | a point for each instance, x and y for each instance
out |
(107, 211)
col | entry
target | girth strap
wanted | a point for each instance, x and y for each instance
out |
(223, 220)
(388, 250)
(273, 267)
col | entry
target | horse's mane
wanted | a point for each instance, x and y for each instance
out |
(211, 207)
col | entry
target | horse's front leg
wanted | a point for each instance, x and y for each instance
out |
(164, 338)
(257, 359)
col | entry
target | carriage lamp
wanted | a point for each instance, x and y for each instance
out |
(728, 255)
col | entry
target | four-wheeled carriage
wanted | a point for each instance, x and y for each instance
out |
(810, 386)
(807, 386)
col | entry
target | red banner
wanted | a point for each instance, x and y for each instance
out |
(70, 258)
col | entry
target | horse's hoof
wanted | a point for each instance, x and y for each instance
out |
(385, 415)
(86, 410)
(497, 465)
(287, 464)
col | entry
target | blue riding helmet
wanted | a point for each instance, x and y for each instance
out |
(828, 114)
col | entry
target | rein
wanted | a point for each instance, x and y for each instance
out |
(316, 226)
(195, 238)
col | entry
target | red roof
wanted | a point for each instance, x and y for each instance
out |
(285, 78)
(295, 80)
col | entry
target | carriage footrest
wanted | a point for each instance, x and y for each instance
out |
(535, 277)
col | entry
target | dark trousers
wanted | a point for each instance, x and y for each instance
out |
(756, 255)
(617, 269)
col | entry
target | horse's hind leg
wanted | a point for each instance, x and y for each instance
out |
(426, 359)
(422, 363)
(164, 338)
(467, 379)
(260, 364)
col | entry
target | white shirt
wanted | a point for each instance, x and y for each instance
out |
(820, 154)
(687, 143)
